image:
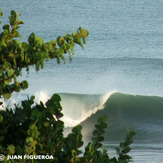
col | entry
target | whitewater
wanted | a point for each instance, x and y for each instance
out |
(118, 74)
(85, 113)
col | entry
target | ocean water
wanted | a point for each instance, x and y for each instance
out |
(119, 73)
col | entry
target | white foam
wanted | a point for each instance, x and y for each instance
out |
(106, 97)
(17, 98)
(101, 106)
(70, 122)
(42, 96)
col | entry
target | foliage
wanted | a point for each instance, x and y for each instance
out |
(37, 129)
(15, 55)
(125, 148)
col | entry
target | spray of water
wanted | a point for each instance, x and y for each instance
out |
(70, 122)
(17, 98)
(42, 96)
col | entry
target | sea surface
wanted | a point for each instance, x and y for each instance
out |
(119, 73)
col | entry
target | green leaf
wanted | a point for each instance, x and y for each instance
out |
(36, 114)
(6, 95)
(29, 139)
(47, 124)
(24, 85)
(56, 97)
(31, 39)
(102, 119)
(8, 81)
(53, 43)
(16, 34)
(6, 66)
(20, 22)
(51, 109)
(41, 55)
(19, 150)
(33, 143)
(25, 46)
(39, 40)
(77, 129)
(2, 137)
(12, 18)
(1, 14)
(68, 38)
(6, 27)
(78, 41)
(60, 41)
(84, 33)
(125, 157)
(10, 73)
(1, 118)
(32, 98)
(11, 55)
(13, 13)
(11, 149)
(126, 150)
(8, 36)
(17, 88)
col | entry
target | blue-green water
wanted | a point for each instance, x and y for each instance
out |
(124, 52)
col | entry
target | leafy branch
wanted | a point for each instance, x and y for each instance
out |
(15, 55)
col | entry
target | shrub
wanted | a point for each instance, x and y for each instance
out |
(38, 130)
